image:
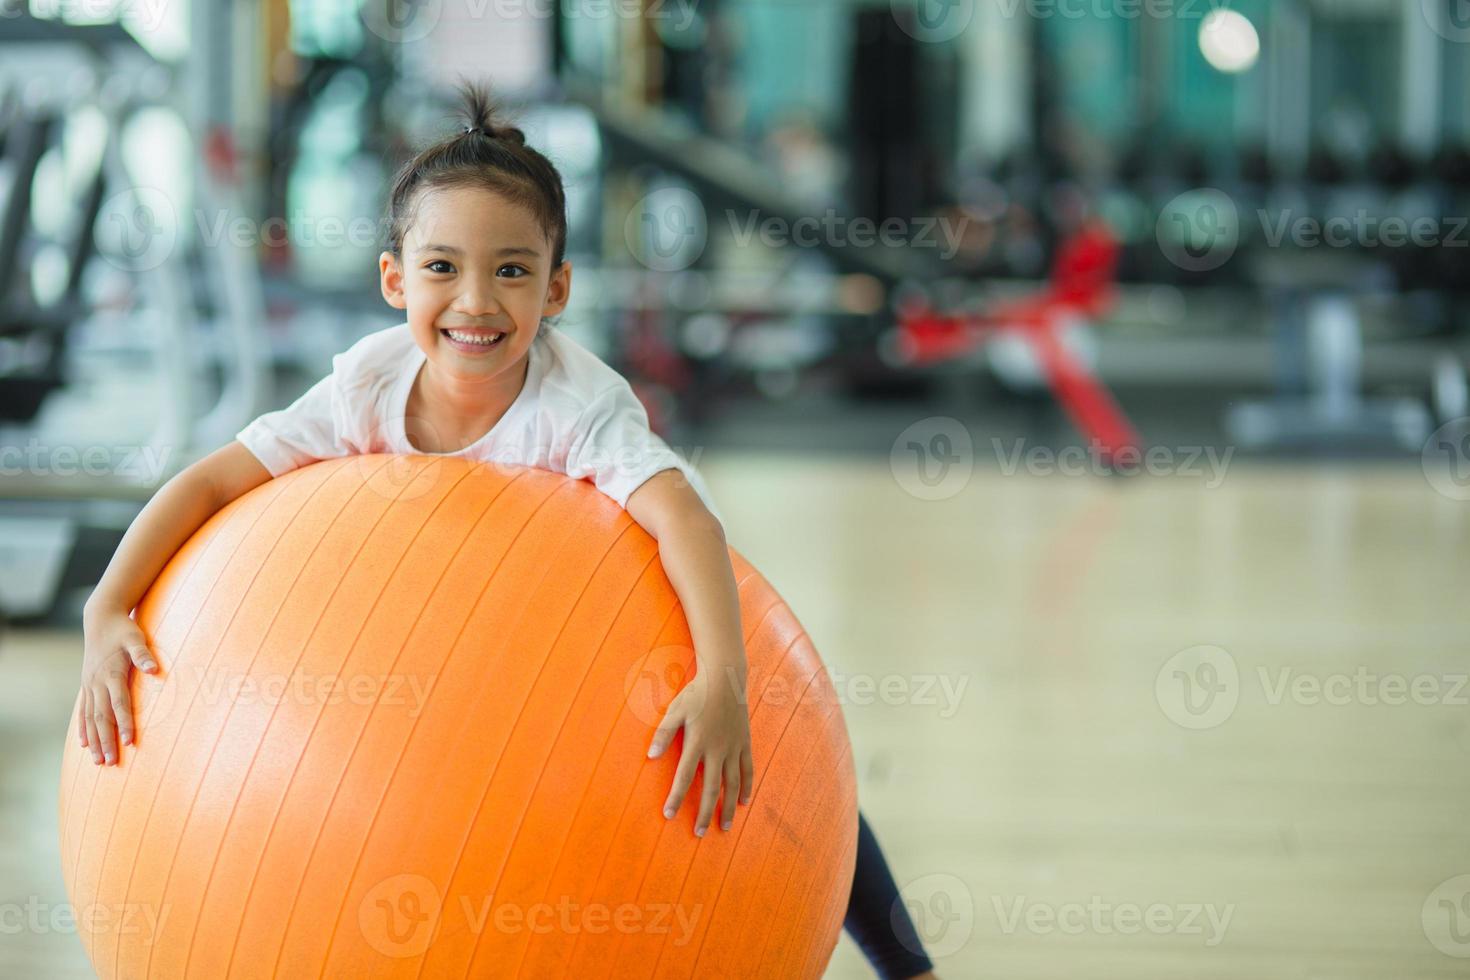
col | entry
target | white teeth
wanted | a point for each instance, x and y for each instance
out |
(472, 338)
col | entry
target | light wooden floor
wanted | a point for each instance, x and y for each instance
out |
(1065, 807)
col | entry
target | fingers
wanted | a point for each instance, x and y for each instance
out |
(93, 742)
(121, 702)
(103, 723)
(707, 798)
(683, 778)
(664, 734)
(732, 790)
(141, 658)
(82, 719)
(731, 775)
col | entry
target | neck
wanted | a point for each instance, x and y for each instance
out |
(471, 402)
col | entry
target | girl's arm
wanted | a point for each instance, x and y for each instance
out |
(712, 706)
(112, 641)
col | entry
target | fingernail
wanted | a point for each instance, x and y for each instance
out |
(668, 812)
(109, 758)
(699, 832)
(651, 751)
(149, 665)
(725, 825)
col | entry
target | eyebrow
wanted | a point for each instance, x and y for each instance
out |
(508, 250)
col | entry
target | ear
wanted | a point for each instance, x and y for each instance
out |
(390, 276)
(558, 290)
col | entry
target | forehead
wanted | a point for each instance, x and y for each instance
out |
(472, 219)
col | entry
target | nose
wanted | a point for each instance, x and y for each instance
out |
(477, 298)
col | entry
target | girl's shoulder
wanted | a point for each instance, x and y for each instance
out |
(572, 374)
(374, 357)
(380, 346)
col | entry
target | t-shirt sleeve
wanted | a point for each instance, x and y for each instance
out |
(614, 448)
(311, 428)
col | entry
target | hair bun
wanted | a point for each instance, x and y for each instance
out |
(510, 133)
(480, 111)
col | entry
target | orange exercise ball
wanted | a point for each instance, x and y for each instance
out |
(400, 730)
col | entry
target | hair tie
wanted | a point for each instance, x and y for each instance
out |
(474, 129)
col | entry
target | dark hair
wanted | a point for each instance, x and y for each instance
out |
(484, 153)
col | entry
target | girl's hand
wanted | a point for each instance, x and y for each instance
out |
(112, 643)
(716, 732)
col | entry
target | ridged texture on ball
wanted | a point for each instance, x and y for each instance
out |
(401, 729)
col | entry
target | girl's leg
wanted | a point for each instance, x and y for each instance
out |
(877, 920)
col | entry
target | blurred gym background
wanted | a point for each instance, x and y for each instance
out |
(1088, 375)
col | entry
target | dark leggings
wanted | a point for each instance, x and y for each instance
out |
(877, 921)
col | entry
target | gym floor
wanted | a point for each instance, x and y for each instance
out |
(1138, 728)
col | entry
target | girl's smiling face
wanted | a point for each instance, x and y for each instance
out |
(474, 265)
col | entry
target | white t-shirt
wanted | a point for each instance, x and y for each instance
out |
(574, 415)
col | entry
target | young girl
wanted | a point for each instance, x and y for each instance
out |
(475, 258)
